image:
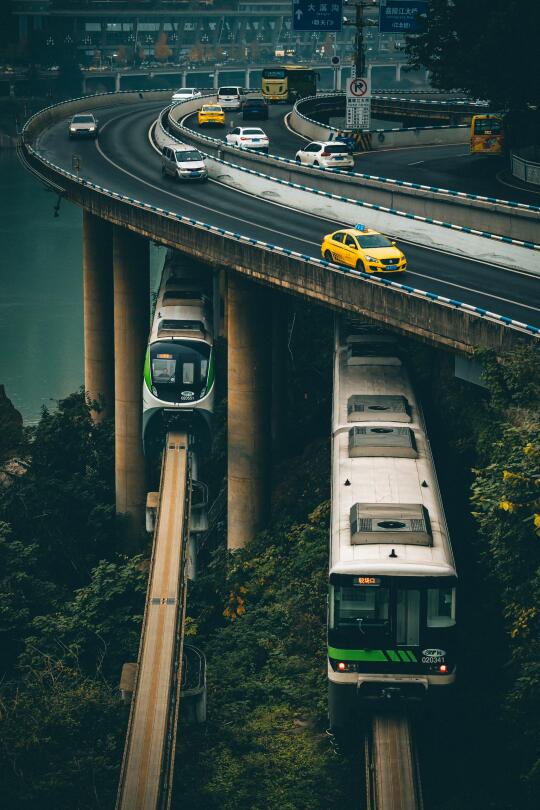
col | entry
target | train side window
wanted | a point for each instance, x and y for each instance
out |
(204, 370)
(188, 373)
(441, 607)
(408, 616)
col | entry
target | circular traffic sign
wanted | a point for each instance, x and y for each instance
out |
(335, 60)
(358, 87)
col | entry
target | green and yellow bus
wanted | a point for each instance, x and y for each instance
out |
(288, 83)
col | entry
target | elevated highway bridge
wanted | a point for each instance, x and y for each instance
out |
(449, 298)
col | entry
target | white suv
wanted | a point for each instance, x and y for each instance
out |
(230, 98)
(327, 154)
(248, 138)
(186, 93)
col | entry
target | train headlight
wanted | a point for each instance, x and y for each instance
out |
(443, 669)
(342, 666)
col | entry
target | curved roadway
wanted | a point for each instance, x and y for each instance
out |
(450, 167)
(123, 160)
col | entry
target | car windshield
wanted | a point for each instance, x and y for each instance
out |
(188, 157)
(83, 119)
(252, 132)
(335, 148)
(209, 108)
(374, 240)
(185, 91)
(228, 91)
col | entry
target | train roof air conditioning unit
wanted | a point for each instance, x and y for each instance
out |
(365, 350)
(404, 523)
(395, 442)
(377, 407)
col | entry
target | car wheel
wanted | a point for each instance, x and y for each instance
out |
(298, 160)
(328, 256)
(360, 266)
(316, 163)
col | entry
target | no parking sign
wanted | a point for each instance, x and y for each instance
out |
(358, 102)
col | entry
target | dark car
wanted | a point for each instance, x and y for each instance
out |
(255, 108)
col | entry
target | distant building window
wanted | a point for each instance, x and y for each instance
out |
(148, 26)
(92, 26)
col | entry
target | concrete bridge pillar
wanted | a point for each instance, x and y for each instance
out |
(117, 82)
(131, 326)
(184, 79)
(337, 78)
(369, 71)
(247, 75)
(249, 403)
(398, 72)
(98, 312)
(216, 79)
(280, 318)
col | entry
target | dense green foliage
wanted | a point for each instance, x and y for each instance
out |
(487, 48)
(70, 613)
(497, 434)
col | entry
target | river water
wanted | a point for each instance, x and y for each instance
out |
(41, 293)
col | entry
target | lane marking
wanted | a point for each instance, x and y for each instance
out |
(316, 216)
(416, 163)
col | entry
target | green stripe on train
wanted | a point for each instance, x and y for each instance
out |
(401, 656)
(147, 377)
(356, 655)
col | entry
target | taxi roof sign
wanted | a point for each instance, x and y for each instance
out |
(360, 227)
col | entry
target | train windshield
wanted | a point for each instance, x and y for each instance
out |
(179, 370)
(360, 609)
(369, 610)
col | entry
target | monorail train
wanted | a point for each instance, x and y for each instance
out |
(392, 600)
(179, 367)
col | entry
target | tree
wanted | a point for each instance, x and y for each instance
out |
(487, 48)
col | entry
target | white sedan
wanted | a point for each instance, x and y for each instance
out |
(186, 93)
(326, 154)
(248, 138)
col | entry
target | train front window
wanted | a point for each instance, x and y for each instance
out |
(362, 610)
(441, 607)
(179, 370)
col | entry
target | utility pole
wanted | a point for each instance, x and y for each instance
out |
(359, 55)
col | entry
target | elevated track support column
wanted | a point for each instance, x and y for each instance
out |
(98, 312)
(249, 408)
(280, 313)
(131, 320)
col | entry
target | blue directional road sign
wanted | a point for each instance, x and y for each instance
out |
(317, 15)
(401, 16)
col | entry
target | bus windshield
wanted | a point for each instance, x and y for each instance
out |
(484, 126)
(274, 73)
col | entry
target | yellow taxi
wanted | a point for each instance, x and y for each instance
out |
(211, 114)
(364, 249)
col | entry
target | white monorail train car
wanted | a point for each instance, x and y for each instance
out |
(178, 382)
(392, 600)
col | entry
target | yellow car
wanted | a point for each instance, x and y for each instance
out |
(364, 249)
(211, 114)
